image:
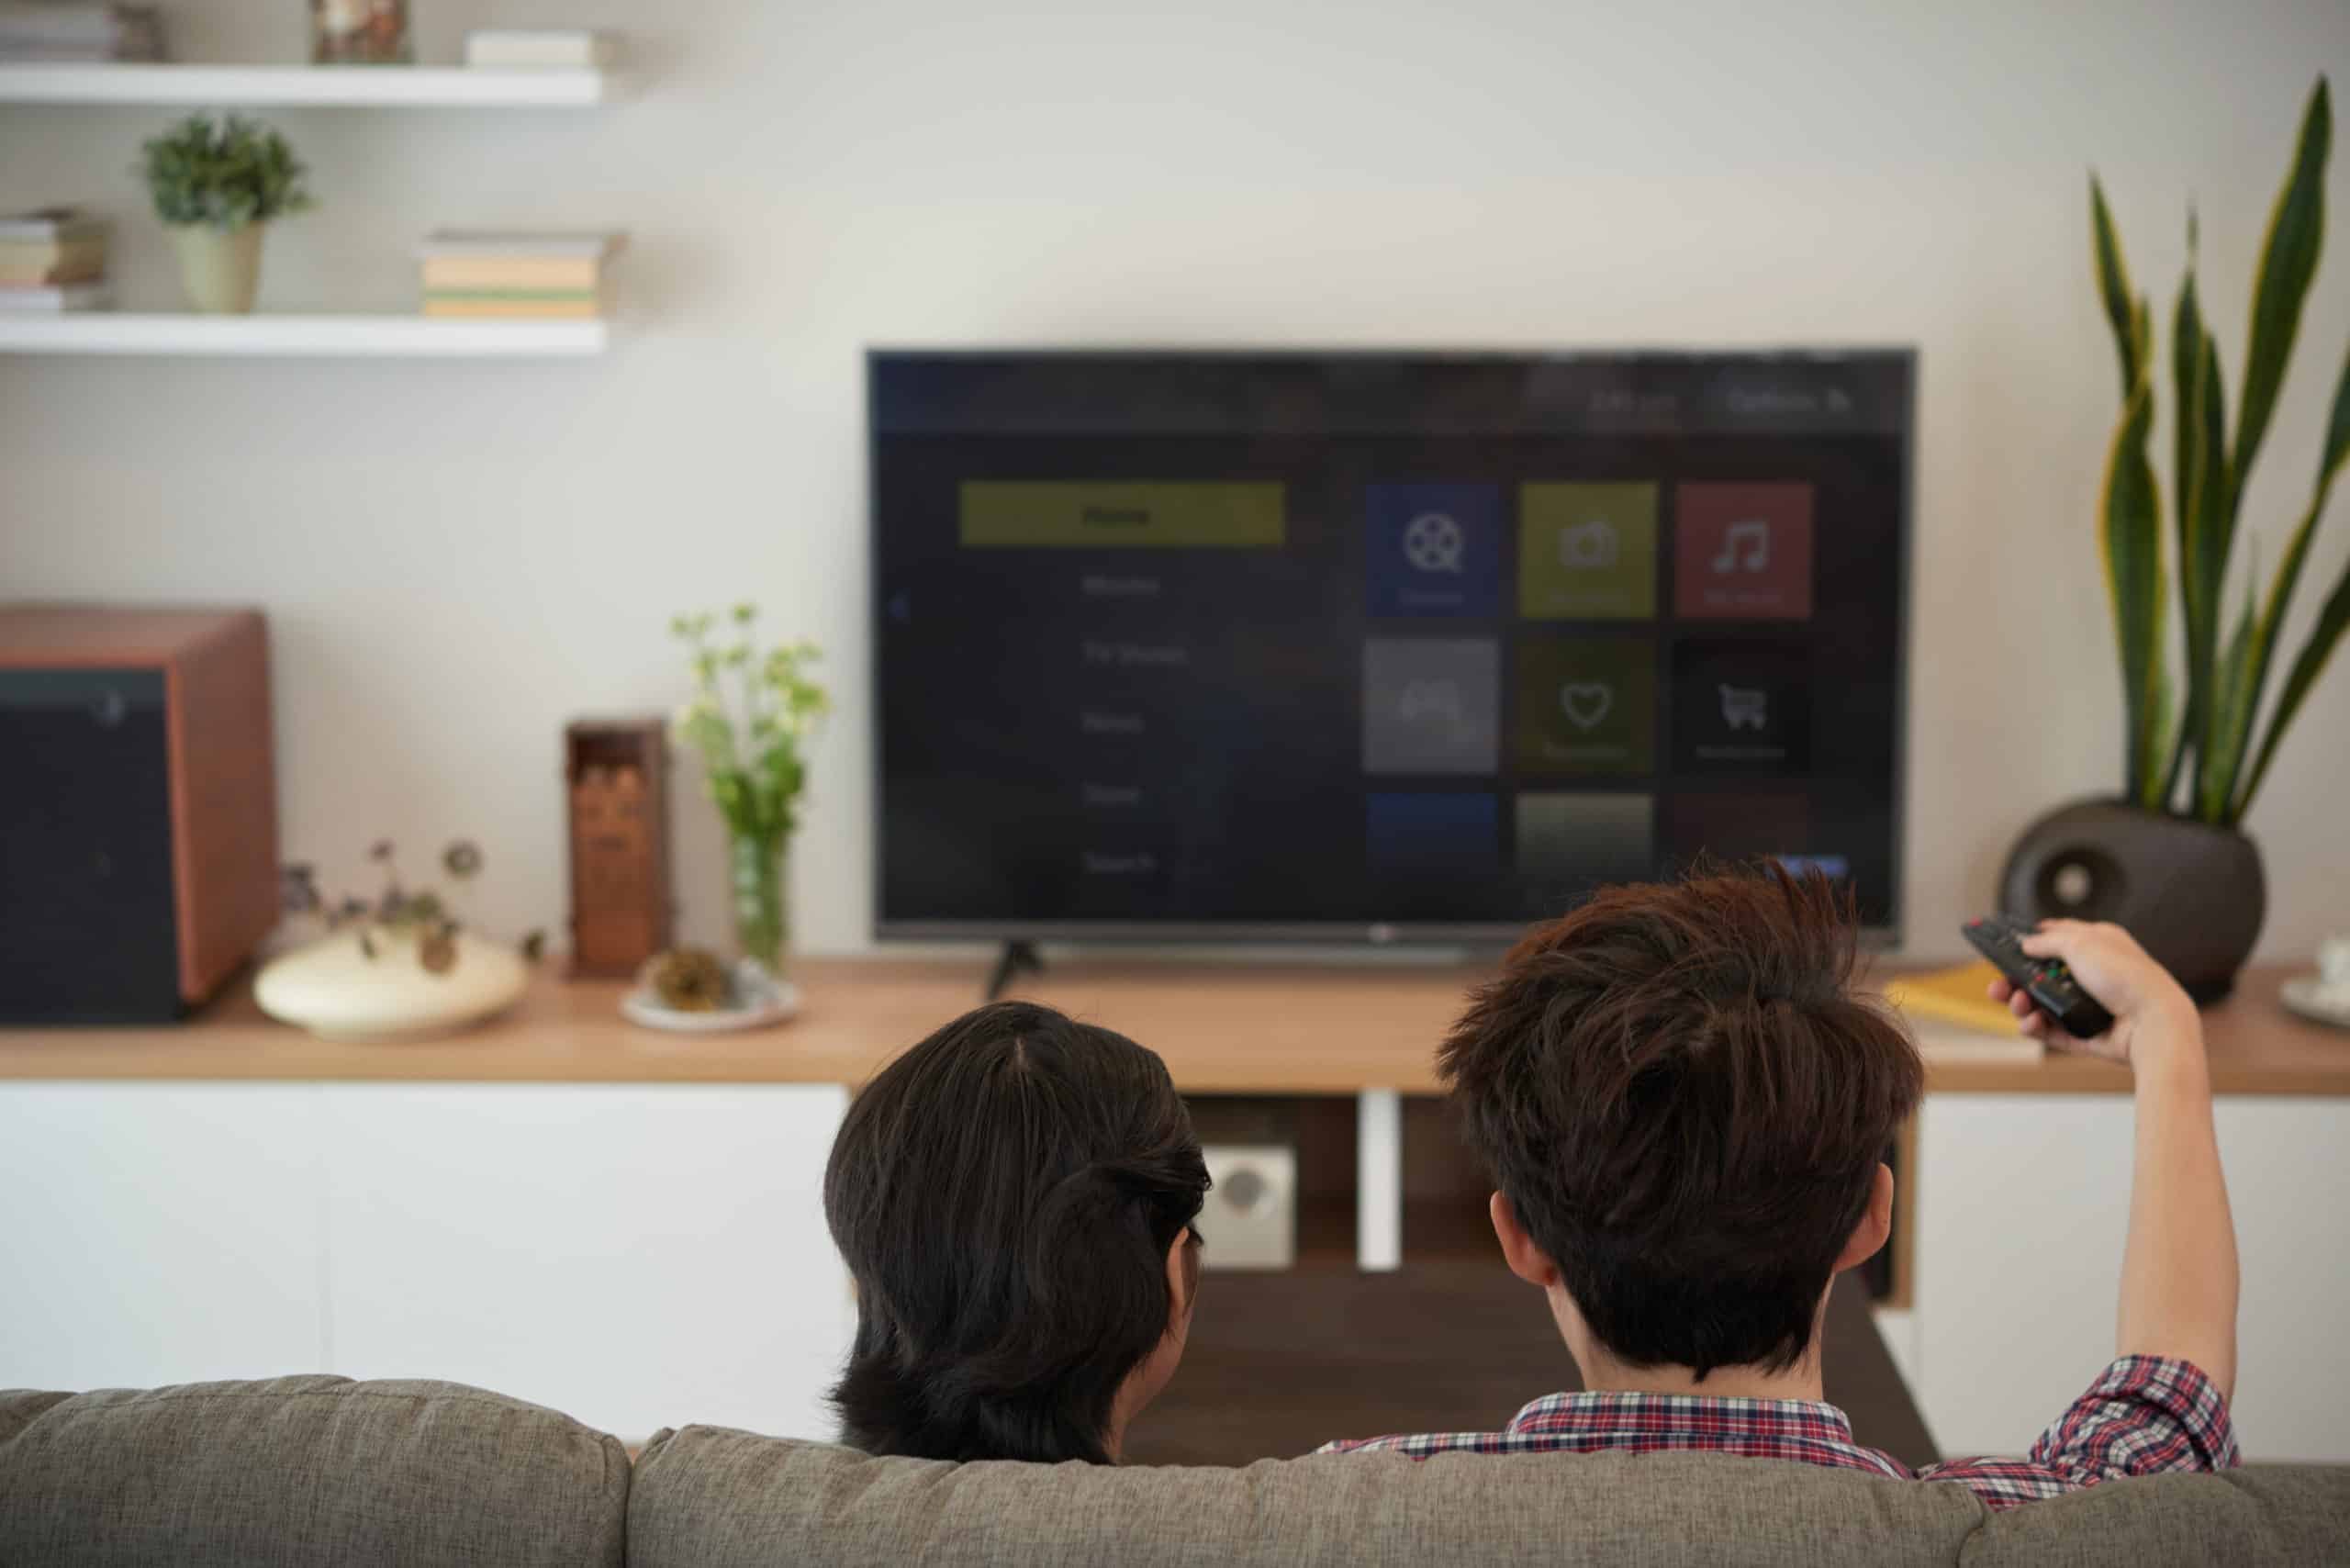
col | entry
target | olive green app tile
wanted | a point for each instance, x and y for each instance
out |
(1586, 552)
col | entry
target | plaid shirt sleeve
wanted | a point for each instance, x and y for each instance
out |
(2146, 1415)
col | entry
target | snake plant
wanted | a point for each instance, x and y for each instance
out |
(2191, 747)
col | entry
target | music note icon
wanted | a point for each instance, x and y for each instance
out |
(1756, 532)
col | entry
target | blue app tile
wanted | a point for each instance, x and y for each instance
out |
(1433, 833)
(1435, 549)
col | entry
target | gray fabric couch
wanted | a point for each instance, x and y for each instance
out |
(321, 1470)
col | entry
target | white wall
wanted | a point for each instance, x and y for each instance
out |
(2016, 1293)
(456, 559)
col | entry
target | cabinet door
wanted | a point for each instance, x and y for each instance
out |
(2022, 1205)
(637, 1256)
(158, 1233)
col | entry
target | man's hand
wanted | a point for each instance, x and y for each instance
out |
(2152, 1015)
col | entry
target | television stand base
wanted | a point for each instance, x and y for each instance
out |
(1019, 959)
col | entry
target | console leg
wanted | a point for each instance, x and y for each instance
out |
(1019, 959)
(1379, 1181)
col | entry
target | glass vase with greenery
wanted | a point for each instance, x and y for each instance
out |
(752, 718)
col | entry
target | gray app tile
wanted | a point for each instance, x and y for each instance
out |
(1431, 706)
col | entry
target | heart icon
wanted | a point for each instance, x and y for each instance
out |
(1585, 702)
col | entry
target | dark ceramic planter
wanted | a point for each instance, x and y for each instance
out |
(2192, 894)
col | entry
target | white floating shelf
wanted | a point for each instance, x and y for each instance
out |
(354, 86)
(352, 337)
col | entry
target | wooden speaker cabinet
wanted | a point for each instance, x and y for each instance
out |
(617, 772)
(138, 809)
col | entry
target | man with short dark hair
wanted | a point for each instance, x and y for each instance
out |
(1685, 1105)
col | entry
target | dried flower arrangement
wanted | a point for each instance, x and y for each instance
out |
(398, 911)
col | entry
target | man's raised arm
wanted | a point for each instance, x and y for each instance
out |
(2179, 1269)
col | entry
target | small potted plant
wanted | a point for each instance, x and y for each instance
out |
(752, 718)
(214, 184)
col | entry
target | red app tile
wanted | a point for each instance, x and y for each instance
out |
(1732, 825)
(1744, 552)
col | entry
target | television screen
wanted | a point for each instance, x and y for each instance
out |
(1377, 646)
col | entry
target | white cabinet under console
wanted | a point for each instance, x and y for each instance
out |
(635, 1255)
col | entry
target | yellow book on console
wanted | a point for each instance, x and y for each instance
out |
(1952, 996)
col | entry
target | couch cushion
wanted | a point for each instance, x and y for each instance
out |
(2282, 1513)
(305, 1470)
(708, 1497)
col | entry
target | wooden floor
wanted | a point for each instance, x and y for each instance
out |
(1280, 1363)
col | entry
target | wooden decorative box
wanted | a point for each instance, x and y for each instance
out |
(617, 774)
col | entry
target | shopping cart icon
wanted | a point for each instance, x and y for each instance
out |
(1745, 708)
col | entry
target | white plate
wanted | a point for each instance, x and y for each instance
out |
(2310, 996)
(643, 1006)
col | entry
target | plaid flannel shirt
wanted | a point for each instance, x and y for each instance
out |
(2146, 1415)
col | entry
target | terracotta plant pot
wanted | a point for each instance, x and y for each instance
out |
(221, 272)
(2192, 894)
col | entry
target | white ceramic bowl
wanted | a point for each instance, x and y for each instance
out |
(333, 989)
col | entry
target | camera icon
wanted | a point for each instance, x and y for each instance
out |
(1589, 546)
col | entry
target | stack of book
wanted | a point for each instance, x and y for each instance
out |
(78, 34)
(554, 49)
(54, 259)
(558, 277)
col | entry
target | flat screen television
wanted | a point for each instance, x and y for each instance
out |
(1378, 646)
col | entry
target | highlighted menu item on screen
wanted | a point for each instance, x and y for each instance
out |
(1088, 514)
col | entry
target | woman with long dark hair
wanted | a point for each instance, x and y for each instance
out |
(1015, 1198)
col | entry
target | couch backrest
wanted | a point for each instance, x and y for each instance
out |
(709, 1497)
(305, 1470)
(312, 1470)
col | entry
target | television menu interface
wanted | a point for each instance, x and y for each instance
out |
(1378, 644)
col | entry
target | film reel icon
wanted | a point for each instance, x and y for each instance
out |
(1432, 543)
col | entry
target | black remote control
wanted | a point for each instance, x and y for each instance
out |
(2047, 981)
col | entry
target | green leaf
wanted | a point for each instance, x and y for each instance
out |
(2186, 368)
(2289, 574)
(2227, 721)
(221, 174)
(704, 728)
(2331, 621)
(2165, 730)
(2204, 551)
(2337, 433)
(2113, 288)
(2186, 361)
(2131, 512)
(2287, 262)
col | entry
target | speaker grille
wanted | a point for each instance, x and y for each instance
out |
(86, 926)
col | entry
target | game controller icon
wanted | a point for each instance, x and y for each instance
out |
(1429, 699)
